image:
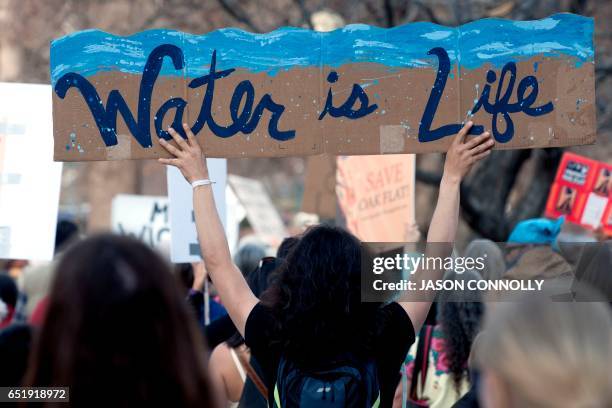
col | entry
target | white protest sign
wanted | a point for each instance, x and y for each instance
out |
(184, 246)
(29, 178)
(235, 214)
(260, 210)
(143, 217)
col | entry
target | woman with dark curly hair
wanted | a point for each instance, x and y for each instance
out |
(460, 323)
(317, 343)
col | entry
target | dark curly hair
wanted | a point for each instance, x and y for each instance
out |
(316, 298)
(460, 323)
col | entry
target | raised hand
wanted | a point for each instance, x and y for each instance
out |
(462, 154)
(188, 155)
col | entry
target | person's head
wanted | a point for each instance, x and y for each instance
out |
(65, 232)
(286, 246)
(248, 256)
(115, 320)
(8, 299)
(537, 353)
(460, 316)
(14, 351)
(491, 256)
(184, 275)
(317, 296)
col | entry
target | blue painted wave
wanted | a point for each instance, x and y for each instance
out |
(494, 41)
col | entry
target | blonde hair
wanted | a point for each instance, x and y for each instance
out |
(550, 354)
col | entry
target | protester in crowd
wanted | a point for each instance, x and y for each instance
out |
(222, 335)
(117, 322)
(184, 274)
(593, 270)
(13, 267)
(229, 362)
(192, 279)
(539, 234)
(15, 343)
(312, 319)
(571, 239)
(491, 256)
(250, 253)
(533, 254)
(445, 379)
(222, 329)
(537, 353)
(8, 300)
(35, 281)
(460, 322)
(228, 372)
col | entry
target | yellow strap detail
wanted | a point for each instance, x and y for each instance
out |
(377, 402)
(276, 397)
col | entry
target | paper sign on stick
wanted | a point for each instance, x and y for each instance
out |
(29, 179)
(260, 210)
(234, 215)
(582, 191)
(185, 246)
(353, 91)
(143, 217)
(376, 195)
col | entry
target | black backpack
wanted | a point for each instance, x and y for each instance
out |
(346, 382)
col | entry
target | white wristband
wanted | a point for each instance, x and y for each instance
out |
(202, 182)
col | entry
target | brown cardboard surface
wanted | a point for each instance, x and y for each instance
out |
(302, 73)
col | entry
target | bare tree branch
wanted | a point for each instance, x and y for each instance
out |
(485, 193)
(238, 15)
(389, 17)
(305, 13)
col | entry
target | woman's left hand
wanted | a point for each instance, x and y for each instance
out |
(188, 155)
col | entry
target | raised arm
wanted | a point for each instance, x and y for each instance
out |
(236, 295)
(460, 158)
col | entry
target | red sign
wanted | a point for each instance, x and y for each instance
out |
(582, 192)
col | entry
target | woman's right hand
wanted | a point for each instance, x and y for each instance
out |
(462, 154)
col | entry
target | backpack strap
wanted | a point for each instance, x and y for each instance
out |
(277, 402)
(377, 402)
(261, 387)
(421, 361)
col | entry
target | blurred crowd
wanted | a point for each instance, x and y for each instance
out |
(110, 319)
(109, 310)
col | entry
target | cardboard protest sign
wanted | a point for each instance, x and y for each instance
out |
(184, 246)
(582, 191)
(260, 211)
(29, 179)
(356, 90)
(376, 196)
(143, 217)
